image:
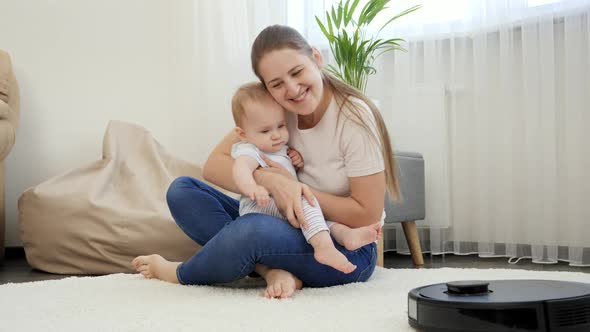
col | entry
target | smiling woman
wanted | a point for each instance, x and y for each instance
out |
(348, 165)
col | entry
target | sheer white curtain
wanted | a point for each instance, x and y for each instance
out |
(496, 96)
(213, 60)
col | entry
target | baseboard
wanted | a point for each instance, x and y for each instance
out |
(14, 252)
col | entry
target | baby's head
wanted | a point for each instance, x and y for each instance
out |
(259, 119)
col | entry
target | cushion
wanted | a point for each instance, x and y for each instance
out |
(95, 219)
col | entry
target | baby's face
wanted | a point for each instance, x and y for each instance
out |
(264, 125)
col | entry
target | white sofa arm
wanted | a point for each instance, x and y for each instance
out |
(9, 114)
(9, 105)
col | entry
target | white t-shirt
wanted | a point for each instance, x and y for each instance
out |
(248, 205)
(336, 149)
(249, 149)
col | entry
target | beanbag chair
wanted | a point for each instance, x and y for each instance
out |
(97, 218)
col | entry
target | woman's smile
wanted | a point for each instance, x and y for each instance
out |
(300, 97)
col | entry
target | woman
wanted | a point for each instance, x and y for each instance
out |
(348, 166)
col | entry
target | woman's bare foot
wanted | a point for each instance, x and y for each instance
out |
(280, 283)
(326, 253)
(354, 238)
(155, 266)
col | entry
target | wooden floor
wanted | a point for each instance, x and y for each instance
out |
(15, 269)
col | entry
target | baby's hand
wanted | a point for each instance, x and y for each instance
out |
(261, 196)
(296, 158)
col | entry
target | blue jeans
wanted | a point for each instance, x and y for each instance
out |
(233, 245)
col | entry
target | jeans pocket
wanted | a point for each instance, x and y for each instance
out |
(368, 271)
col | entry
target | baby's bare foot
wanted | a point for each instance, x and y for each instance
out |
(354, 238)
(330, 256)
(326, 253)
(155, 266)
(280, 284)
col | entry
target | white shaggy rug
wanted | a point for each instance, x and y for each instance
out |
(125, 302)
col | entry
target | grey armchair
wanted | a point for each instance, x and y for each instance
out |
(9, 114)
(412, 205)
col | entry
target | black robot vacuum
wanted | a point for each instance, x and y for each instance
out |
(501, 305)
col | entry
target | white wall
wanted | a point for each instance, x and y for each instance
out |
(82, 63)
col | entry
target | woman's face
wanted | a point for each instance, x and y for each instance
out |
(293, 79)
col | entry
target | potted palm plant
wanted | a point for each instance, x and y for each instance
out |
(353, 49)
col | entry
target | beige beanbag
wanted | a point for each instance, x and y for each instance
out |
(95, 219)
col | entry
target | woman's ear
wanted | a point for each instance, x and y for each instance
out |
(317, 56)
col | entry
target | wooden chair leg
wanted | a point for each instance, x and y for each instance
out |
(413, 240)
(380, 251)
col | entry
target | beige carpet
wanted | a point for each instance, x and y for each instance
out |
(124, 302)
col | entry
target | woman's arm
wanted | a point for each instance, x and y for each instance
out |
(363, 207)
(218, 167)
(285, 190)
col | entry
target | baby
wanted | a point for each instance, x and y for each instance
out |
(262, 129)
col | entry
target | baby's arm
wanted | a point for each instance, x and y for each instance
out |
(242, 172)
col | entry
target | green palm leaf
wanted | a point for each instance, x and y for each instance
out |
(353, 52)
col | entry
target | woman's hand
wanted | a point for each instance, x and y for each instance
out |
(286, 192)
(276, 168)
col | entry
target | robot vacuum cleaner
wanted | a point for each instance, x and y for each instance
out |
(501, 305)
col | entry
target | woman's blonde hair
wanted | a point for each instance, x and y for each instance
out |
(277, 37)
